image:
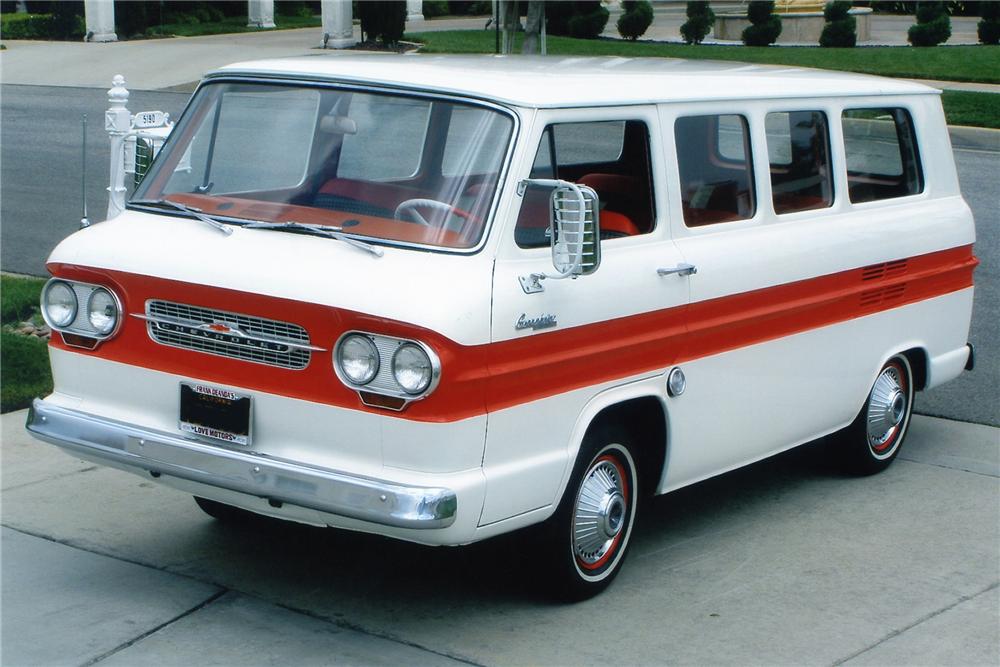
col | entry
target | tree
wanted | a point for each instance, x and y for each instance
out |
(701, 20)
(989, 27)
(841, 28)
(765, 25)
(635, 19)
(383, 20)
(932, 27)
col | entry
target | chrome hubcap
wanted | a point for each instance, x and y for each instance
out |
(886, 408)
(600, 512)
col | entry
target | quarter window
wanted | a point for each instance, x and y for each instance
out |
(881, 149)
(713, 160)
(798, 149)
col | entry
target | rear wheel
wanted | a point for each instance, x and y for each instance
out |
(873, 440)
(588, 537)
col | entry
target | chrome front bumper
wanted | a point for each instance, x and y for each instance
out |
(139, 450)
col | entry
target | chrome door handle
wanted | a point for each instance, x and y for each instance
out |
(681, 269)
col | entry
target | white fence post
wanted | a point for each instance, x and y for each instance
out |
(118, 124)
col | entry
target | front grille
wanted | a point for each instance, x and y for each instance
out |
(270, 338)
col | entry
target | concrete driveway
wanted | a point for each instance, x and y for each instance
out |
(785, 562)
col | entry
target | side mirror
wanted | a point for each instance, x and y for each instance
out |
(574, 229)
(574, 216)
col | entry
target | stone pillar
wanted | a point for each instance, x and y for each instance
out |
(414, 10)
(338, 24)
(118, 124)
(260, 13)
(100, 20)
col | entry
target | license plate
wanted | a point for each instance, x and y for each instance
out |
(212, 412)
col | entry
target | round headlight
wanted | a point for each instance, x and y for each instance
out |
(358, 359)
(59, 302)
(412, 368)
(102, 311)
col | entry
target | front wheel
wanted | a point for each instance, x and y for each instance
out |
(873, 440)
(588, 537)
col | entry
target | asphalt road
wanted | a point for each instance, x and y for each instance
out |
(40, 159)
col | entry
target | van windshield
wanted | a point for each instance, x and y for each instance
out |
(377, 166)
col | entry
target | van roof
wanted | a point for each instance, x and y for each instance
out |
(540, 81)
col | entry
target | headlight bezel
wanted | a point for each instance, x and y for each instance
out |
(46, 290)
(430, 368)
(384, 383)
(79, 331)
(339, 366)
(114, 302)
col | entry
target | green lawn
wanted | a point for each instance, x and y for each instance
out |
(24, 360)
(973, 109)
(230, 25)
(980, 64)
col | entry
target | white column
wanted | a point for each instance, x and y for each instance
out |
(117, 123)
(100, 20)
(414, 10)
(338, 24)
(260, 13)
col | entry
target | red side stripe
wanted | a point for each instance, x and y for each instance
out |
(479, 378)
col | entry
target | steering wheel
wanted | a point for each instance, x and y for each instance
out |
(410, 207)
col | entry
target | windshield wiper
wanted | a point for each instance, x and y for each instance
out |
(317, 230)
(184, 208)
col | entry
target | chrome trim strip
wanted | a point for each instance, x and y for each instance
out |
(140, 450)
(236, 332)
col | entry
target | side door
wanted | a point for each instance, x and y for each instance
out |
(553, 350)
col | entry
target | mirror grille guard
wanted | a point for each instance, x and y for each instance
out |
(574, 252)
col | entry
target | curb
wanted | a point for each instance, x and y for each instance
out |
(975, 138)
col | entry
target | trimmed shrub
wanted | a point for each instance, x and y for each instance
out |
(434, 8)
(933, 26)
(62, 23)
(26, 26)
(589, 21)
(765, 25)
(841, 28)
(383, 20)
(700, 21)
(989, 27)
(575, 19)
(637, 17)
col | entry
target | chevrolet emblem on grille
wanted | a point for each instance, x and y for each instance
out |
(222, 333)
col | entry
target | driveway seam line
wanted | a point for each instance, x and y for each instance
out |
(939, 465)
(48, 479)
(919, 621)
(347, 625)
(225, 589)
(135, 640)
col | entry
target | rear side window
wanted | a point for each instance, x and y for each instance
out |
(798, 149)
(713, 160)
(882, 158)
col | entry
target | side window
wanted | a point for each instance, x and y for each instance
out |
(612, 157)
(798, 149)
(882, 158)
(714, 165)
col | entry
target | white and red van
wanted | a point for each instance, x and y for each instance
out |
(444, 298)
